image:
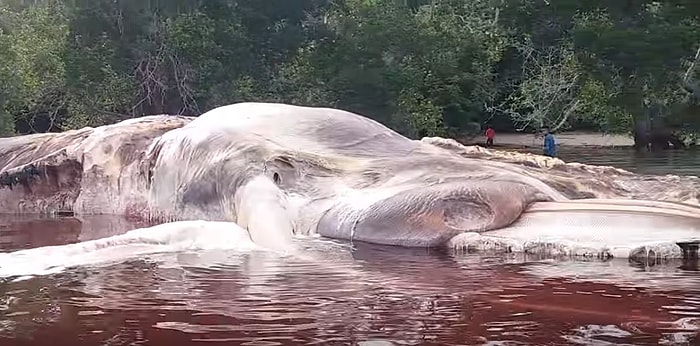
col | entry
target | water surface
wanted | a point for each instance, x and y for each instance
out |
(340, 295)
(678, 162)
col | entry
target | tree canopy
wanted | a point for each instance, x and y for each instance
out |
(423, 67)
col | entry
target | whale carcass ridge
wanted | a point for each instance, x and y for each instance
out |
(336, 173)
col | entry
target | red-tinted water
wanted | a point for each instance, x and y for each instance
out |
(329, 296)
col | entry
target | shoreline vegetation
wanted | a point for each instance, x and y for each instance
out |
(564, 139)
(425, 68)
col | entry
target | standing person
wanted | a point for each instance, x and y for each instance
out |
(490, 135)
(550, 145)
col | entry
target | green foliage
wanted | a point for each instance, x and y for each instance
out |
(418, 117)
(424, 67)
(34, 46)
(599, 109)
(9, 89)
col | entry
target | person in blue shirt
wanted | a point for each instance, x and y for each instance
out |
(550, 145)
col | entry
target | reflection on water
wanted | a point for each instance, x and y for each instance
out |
(678, 162)
(333, 295)
(29, 231)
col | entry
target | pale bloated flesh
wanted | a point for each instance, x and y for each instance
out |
(337, 173)
(593, 228)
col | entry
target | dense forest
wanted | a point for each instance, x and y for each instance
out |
(423, 67)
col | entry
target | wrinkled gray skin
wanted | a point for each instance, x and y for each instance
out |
(296, 169)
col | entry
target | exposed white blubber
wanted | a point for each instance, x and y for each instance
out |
(590, 233)
(168, 237)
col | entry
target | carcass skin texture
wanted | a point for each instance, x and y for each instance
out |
(323, 171)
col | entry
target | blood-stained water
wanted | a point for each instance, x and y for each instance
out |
(336, 294)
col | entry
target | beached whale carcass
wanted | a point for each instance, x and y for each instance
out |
(308, 170)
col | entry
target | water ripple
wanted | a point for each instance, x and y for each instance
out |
(367, 295)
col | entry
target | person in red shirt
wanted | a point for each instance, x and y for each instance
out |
(490, 134)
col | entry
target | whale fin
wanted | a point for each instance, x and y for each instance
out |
(261, 209)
